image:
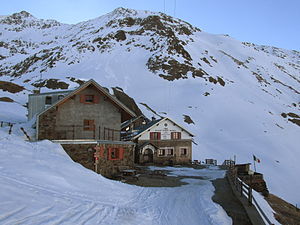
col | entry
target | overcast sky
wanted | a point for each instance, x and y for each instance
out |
(268, 22)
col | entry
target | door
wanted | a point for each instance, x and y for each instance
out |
(148, 156)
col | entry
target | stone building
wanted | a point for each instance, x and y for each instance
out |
(161, 142)
(87, 123)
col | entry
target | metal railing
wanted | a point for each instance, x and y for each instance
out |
(67, 132)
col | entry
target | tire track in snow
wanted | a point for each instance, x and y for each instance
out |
(92, 215)
(56, 193)
(11, 213)
(51, 218)
(65, 217)
(78, 215)
(34, 215)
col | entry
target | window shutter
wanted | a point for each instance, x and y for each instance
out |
(92, 124)
(151, 135)
(82, 98)
(96, 99)
(179, 135)
(121, 153)
(109, 153)
(158, 135)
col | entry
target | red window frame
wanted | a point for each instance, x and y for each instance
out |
(155, 135)
(89, 99)
(88, 125)
(175, 135)
(115, 153)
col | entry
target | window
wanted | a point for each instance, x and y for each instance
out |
(154, 135)
(115, 153)
(161, 152)
(88, 125)
(183, 151)
(48, 100)
(89, 99)
(166, 151)
(175, 135)
(170, 151)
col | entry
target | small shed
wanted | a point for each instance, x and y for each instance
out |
(211, 162)
(242, 168)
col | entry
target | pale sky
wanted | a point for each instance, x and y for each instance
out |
(266, 22)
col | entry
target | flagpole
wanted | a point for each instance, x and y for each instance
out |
(254, 165)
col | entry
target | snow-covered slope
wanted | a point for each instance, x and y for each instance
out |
(243, 98)
(40, 184)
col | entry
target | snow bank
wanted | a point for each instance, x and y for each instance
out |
(40, 184)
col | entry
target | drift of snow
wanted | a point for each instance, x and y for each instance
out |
(40, 184)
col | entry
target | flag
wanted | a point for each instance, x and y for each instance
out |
(256, 159)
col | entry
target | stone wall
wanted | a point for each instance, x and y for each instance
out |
(177, 158)
(66, 120)
(46, 125)
(84, 154)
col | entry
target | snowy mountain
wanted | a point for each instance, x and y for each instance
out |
(243, 98)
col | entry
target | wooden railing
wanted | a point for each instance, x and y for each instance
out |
(246, 192)
(7, 124)
(10, 125)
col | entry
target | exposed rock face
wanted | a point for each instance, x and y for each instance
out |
(10, 87)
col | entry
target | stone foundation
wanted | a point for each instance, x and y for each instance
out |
(84, 154)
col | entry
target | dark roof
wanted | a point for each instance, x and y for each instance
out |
(146, 126)
(126, 123)
(129, 135)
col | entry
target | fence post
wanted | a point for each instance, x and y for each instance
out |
(10, 128)
(94, 131)
(250, 196)
(250, 191)
(73, 126)
(99, 133)
(22, 129)
(241, 186)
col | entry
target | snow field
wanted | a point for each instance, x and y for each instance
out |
(40, 184)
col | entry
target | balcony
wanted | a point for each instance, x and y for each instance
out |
(78, 132)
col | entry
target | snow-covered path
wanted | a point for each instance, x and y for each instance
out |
(39, 184)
